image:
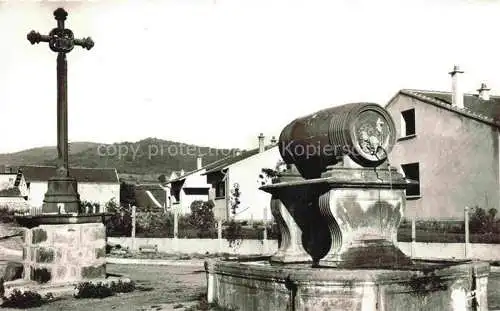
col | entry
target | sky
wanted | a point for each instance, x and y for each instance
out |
(219, 72)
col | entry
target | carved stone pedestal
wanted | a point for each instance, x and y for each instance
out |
(295, 211)
(290, 249)
(62, 196)
(364, 208)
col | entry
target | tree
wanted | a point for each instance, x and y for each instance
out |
(270, 175)
(482, 221)
(162, 178)
(235, 198)
(127, 194)
(202, 217)
(120, 221)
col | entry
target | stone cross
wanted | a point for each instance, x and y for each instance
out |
(61, 40)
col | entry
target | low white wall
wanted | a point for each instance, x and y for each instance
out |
(199, 246)
(452, 250)
(250, 247)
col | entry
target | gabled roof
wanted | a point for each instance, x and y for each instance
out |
(485, 111)
(235, 159)
(97, 175)
(206, 167)
(152, 198)
(149, 187)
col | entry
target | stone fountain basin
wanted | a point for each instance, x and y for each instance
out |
(421, 285)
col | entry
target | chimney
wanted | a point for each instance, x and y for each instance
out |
(457, 95)
(199, 163)
(273, 141)
(261, 142)
(484, 92)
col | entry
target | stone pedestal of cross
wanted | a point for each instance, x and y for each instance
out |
(62, 194)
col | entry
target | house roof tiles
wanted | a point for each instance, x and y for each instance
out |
(486, 111)
(234, 159)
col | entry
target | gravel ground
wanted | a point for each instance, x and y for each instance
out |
(160, 288)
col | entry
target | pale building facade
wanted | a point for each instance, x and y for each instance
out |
(449, 143)
(98, 185)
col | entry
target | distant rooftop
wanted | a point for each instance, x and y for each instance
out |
(97, 175)
(234, 159)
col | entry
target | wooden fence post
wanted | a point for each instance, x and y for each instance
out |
(134, 220)
(413, 236)
(467, 238)
(176, 229)
(264, 240)
(219, 234)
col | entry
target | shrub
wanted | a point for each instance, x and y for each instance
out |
(120, 221)
(23, 300)
(273, 232)
(154, 224)
(103, 290)
(91, 290)
(87, 206)
(202, 217)
(482, 221)
(122, 287)
(6, 215)
(234, 233)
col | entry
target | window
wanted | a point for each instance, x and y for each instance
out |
(220, 189)
(196, 191)
(408, 123)
(412, 172)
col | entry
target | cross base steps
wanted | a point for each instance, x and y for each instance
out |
(62, 196)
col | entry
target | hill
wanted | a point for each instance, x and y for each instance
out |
(38, 155)
(148, 157)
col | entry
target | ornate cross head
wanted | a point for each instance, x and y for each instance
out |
(60, 39)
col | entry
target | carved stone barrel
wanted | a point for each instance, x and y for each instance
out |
(363, 131)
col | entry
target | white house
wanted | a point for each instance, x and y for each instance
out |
(190, 187)
(94, 184)
(244, 169)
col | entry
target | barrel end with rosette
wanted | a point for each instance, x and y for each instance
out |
(373, 135)
(363, 131)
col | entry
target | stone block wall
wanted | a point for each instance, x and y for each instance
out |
(64, 252)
